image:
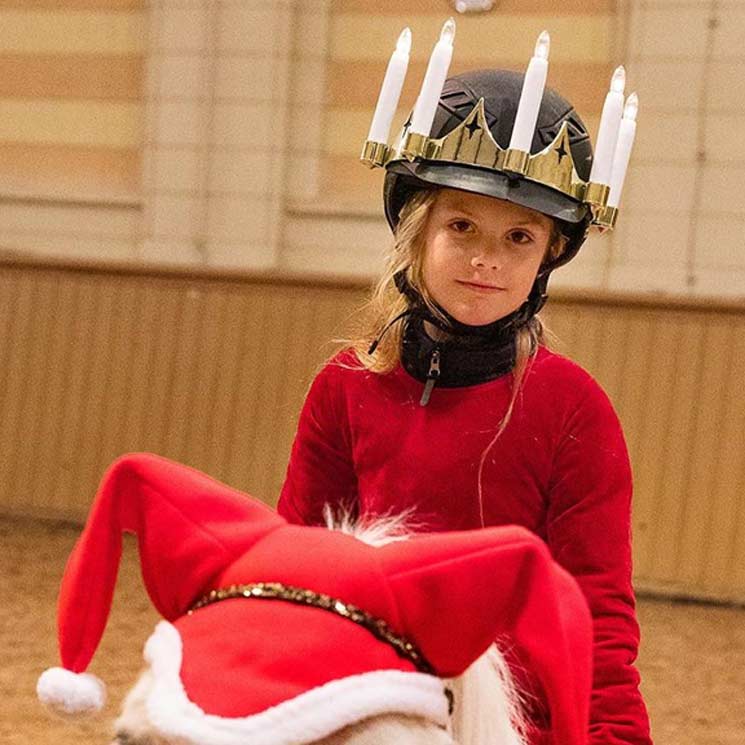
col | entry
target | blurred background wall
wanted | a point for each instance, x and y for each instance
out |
(184, 227)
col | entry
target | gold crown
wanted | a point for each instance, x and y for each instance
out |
(471, 143)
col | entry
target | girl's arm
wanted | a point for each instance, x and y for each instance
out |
(320, 470)
(589, 533)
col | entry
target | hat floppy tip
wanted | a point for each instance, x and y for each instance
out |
(71, 694)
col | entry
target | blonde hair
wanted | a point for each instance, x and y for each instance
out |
(387, 303)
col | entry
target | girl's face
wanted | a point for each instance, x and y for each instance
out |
(481, 254)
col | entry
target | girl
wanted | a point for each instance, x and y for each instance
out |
(449, 407)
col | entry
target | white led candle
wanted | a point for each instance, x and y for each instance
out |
(626, 134)
(610, 121)
(531, 96)
(434, 80)
(390, 92)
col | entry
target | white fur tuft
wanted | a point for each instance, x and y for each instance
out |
(375, 531)
(70, 694)
(488, 708)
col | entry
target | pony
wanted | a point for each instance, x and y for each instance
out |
(345, 634)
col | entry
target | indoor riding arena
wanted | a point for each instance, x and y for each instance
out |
(187, 234)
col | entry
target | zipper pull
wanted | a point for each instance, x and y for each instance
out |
(432, 375)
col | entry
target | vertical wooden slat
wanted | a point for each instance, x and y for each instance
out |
(234, 330)
(268, 395)
(675, 450)
(166, 320)
(204, 375)
(716, 566)
(97, 349)
(88, 343)
(243, 430)
(645, 411)
(34, 400)
(705, 452)
(16, 361)
(126, 351)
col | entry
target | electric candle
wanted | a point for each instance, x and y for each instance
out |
(434, 80)
(531, 96)
(390, 92)
(610, 121)
(626, 134)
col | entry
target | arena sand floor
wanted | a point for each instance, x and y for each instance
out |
(692, 657)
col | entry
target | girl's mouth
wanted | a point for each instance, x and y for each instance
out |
(481, 287)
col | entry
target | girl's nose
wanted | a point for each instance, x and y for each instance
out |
(487, 259)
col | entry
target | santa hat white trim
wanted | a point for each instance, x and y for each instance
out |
(306, 718)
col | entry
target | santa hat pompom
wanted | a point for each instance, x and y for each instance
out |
(71, 694)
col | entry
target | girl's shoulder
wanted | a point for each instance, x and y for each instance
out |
(341, 368)
(549, 363)
(564, 378)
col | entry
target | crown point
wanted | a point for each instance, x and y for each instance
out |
(404, 41)
(448, 31)
(631, 108)
(543, 45)
(618, 83)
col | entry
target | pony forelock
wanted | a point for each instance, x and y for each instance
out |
(374, 530)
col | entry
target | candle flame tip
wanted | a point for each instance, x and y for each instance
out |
(404, 41)
(543, 45)
(631, 108)
(448, 30)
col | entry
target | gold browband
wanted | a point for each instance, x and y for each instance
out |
(278, 591)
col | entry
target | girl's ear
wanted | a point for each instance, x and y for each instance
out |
(556, 247)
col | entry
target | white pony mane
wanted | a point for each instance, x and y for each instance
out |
(488, 708)
(374, 531)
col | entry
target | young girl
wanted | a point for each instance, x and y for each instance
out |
(450, 408)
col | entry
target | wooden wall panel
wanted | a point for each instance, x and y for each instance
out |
(212, 371)
(673, 377)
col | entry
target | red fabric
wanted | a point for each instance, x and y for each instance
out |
(204, 524)
(560, 469)
(269, 652)
(196, 534)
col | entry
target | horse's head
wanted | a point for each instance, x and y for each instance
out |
(275, 634)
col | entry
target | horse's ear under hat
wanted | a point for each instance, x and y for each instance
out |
(277, 634)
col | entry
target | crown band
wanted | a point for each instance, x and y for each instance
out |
(278, 591)
(471, 143)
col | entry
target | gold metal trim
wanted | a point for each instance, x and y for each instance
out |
(420, 146)
(606, 218)
(375, 154)
(471, 143)
(516, 161)
(597, 194)
(278, 591)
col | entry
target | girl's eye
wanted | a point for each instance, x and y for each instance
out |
(461, 226)
(521, 237)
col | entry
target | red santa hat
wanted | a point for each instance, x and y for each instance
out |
(246, 596)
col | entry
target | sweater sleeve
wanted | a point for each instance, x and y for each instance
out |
(320, 470)
(589, 533)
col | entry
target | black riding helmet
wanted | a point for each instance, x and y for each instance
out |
(500, 90)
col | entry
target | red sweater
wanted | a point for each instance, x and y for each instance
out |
(560, 468)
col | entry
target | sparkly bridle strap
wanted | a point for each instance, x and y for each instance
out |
(278, 591)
